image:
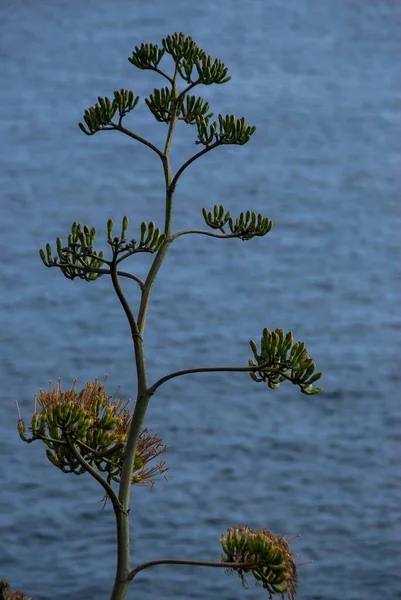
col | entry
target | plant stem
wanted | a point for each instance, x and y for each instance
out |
(170, 187)
(192, 159)
(220, 236)
(192, 563)
(147, 289)
(137, 330)
(108, 489)
(158, 383)
(121, 582)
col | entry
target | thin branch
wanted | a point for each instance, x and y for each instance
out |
(186, 90)
(162, 73)
(97, 257)
(150, 279)
(124, 303)
(102, 271)
(193, 563)
(160, 382)
(101, 454)
(46, 438)
(108, 489)
(131, 276)
(203, 232)
(136, 251)
(138, 138)
(191, 160)
(81, 268)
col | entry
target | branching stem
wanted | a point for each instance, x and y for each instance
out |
(160, 382)
(203, 232)
(127, 309)
(104, 272)
(162, 73)
(138, 138)
(192, 159)
(192, 563)
(108, 489)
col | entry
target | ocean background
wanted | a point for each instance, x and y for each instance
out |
(321, 81)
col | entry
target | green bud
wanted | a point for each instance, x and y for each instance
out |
(314, 378)
(274, 342)
(21, 430)
(124, 228)
(143, 232)
(59, 248)
(110, 226)
(151, 229)
(254, 348)
(289, 340)
(35, 423)
(310, 391)
(43, 257)
(52, 458)
(265, 342)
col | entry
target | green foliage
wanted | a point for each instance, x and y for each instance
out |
(146, 56)
(99, 117)
(279, 359)
(79, 259)
(151, 239)
(187, 55)
(168, 105)
(182, 47)
(210, 71)
(218, 218)
(193, 109)
(249, 225)
(125, 101)
(245, 227)
(228, 130)
(160, 103)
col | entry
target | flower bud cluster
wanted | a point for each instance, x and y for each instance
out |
(280, 359)
(93, 426)
(246, 226)
(274, 568)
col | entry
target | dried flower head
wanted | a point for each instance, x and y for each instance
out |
(94, 426)
(274, 563)
(7, 594)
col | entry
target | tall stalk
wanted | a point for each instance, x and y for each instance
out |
(137, 329)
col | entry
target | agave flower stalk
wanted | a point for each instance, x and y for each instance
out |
(88, 431)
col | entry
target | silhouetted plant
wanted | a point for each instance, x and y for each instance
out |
(88, 431)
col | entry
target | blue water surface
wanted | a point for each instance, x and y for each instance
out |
(320, 80)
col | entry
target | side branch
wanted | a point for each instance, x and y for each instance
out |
(191, 160)
(193, 563)
(124, 303)
(187, 89)
(160, 382)
(108, 489)
(162, 73)
(147, 289)
(203, 232)
(138, 138)
(103, 272)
